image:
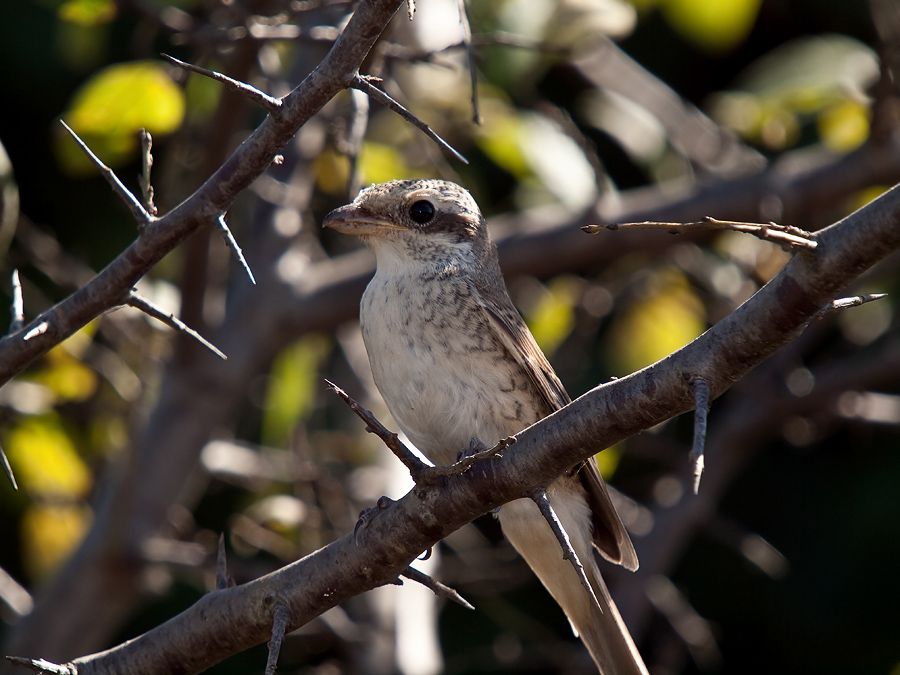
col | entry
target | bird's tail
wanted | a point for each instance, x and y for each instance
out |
(598, 624)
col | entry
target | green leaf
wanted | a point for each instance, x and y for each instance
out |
(110, 108)
(293, 382)
(87, 12)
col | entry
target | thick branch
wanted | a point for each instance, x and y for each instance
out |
(600, 418)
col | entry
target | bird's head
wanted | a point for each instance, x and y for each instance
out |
(413, 217)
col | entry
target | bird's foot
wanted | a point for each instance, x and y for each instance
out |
(366, 516)
(466, 458)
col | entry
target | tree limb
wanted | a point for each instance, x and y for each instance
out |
(599, 418)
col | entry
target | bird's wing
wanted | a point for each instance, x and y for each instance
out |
(610, 535)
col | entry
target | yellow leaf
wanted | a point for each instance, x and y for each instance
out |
(110, 108)
(49, 534)
(715, 25)
(668, 318)
(844, 126)
(608, 460)
(379, 163)
(552, 317)
(293, 382)
(332, 170)
(44, 459)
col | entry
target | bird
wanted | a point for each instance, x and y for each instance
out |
(457, 367)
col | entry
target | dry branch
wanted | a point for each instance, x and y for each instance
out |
(786, 236)
(600, 418)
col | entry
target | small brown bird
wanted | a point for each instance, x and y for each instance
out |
(455, 363)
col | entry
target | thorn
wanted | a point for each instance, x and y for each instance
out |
(17, 310)
(146, 167)
(138, 211)
(42, 666)
(148, 308)
(701, 412)
(8, 469)
(280, 619)
(270, 103)
(853, 301)
(539, 497)
(233, 245)
(40, 329)
(222, 580)
(439, 589)
(364, 85)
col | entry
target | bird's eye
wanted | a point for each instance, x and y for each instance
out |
(421, 211)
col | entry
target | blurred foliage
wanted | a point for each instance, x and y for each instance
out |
(781, 73)
(112, 106)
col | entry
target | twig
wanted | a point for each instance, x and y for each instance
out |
(364, 85)
(8, 469)
(146, 167)
(439, 589)
(539, 497)
(410, 9)
(222, 580)
(470, 59)
(17, 310)
(42, 666)
(785, 235)
(415, 465)
(270, 103)
(231, 242)
(138, 211)
(852, 301)
(280, 619)
(701, 413)
(147, 307)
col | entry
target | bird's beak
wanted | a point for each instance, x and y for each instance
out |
(351, 219)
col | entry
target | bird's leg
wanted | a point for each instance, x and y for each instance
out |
(466, 458)
(366, 516)
(540, 498)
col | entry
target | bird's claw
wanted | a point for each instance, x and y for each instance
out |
(464, 460)
(366, 516)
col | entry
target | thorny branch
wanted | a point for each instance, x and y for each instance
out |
(599, 418)
(160, 235)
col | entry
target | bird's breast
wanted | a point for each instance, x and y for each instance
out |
(443, 373)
